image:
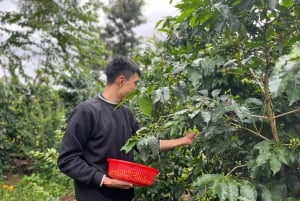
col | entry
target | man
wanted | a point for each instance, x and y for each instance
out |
(97, 130)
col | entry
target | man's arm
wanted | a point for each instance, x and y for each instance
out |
(70, 160)
(166, 145)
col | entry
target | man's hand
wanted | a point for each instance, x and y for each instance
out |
(115, 183)
(189, 138)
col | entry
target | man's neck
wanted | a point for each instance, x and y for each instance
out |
(111, 95)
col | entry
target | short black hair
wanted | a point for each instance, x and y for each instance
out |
(121, 66)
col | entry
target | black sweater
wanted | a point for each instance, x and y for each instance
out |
(96, 131)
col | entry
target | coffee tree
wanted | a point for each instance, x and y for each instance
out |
(231, 70)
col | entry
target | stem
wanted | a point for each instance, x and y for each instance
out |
(259, 116)
(251, 131)
(267, 94)
(290, 112)
(233, 169)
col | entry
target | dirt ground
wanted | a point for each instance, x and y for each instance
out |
(68, 198)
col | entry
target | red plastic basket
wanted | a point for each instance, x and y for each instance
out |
(137, 174)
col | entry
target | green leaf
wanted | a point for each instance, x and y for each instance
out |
(193, 21)
(274, 85)
(264, 146)
(285, 76)
(166, 94)
(206, 116)
(226, 189)
(248, 192)
(207, 179)
(158, 23)
(195, 75)
(148, 146)
(266, 195)
(145, 104)
(208, 66)
(128, 97)
(184, 15)
(215, 93)
(293, 86)
(223, 193)
(129, 145)
(217, 188)
(282, 154)
(157, 95)
(278, 191)
(143, 154)
(194, 113)
(218, 114)
(275, 163)
(232, 190)
(181, 112)
(262, 159)
(162, 95)
(254, 101)
(191, 4)
(287, 3)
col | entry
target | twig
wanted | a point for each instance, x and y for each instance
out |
(251, 131)
(259, 116)
(290, 112)
(233, 169)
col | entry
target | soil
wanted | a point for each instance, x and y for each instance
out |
(12, 179)
(68, 198)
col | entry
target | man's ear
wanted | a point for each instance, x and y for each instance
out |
(121, 80)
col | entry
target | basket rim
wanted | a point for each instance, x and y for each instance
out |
(134, 164)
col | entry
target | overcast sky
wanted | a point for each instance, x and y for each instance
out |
(154, 10)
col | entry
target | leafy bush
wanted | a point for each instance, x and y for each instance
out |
(230, 69)
(33, 188)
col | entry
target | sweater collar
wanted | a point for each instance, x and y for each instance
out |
(105, 100)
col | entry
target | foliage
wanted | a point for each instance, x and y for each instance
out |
(46, 39)
(29, 114)
(32, 188)
(122, 17)
(285, 76)
(227, 188)
(227, 68)
(48, 182)
(51, 57)
(146, 144)
(230, 69)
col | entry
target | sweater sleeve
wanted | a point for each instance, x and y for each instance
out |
(70, 160)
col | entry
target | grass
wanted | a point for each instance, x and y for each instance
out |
(34, 187)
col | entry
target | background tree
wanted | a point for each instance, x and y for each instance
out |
(122, 17)
(48, 38)
(51, 58)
